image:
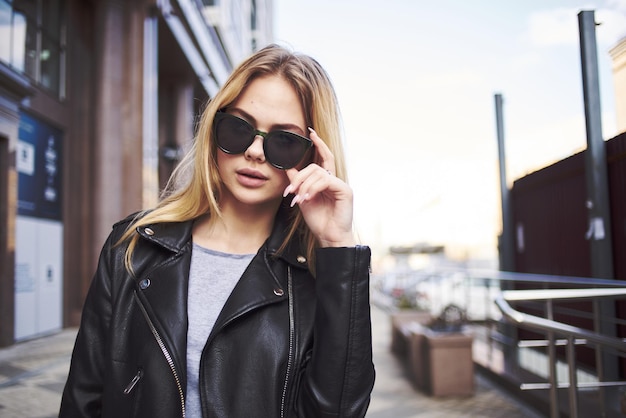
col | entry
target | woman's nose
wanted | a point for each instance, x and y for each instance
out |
(255, 150)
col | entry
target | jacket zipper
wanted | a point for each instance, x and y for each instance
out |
(166, 354)
(133, 382)
(291, 338)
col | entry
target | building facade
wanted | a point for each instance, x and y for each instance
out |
(98, 100)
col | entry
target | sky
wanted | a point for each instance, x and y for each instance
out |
(416, 82)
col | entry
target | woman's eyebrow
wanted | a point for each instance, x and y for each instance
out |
(243, 114)
(292, 127)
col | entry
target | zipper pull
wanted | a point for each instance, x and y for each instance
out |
(133, 382)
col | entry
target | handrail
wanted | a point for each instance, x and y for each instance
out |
(537, 277)
(552, 328)
(546, 294)
(543, 324)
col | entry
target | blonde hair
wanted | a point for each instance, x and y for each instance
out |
(194, 187)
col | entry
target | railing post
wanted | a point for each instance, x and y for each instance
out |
(601, 358)
(573, 381)
(552, 372)
(489, 320)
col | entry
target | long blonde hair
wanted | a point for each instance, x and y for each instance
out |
(194, 187)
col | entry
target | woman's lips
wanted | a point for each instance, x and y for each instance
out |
(251, 178)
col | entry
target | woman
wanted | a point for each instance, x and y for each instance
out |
(243, 293)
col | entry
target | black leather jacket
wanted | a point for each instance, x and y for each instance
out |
(285, 344)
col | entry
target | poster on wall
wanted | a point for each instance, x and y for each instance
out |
(38, 163)
(38, 229)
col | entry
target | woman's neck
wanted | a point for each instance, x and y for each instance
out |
(235, 232)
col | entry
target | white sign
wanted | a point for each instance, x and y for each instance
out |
(25, 159)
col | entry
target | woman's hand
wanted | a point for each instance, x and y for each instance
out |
(325, 200)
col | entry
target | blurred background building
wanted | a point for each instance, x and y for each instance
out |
(97, 104)
(618, 56)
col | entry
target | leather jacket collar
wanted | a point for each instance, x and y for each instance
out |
(175, 236)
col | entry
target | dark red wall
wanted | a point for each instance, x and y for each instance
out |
(549, 209)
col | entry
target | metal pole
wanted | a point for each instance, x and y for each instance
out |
(599, 232)
(506, 239)
(509, 349)
(596, 165)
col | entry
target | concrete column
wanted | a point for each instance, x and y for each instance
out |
(117, 133)
(134, 112)
(184, 115)
(176, 120)
(150, 134)
(8, 200)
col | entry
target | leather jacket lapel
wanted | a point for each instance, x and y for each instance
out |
(258, 286)
(265, 280)
(161, 263)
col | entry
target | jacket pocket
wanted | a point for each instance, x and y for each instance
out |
(133, 383)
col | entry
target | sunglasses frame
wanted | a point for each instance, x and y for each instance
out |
(221, 115)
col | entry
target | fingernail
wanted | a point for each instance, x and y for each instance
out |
(306, 196)
(312, 130)
(295, 200)
(287, 190)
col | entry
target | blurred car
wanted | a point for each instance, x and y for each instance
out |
(403, 288)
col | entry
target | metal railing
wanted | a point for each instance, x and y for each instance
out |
(494, 305)
(573, 335)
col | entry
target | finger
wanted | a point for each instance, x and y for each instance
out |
(292, 175)
(315, 183)
(326, 155)
(297, 177)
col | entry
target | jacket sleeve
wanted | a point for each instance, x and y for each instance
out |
(82, 396)
(340, 375)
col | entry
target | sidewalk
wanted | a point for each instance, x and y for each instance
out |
(395, 397)
(32, 375)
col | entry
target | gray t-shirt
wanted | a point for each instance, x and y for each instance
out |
(212, 277)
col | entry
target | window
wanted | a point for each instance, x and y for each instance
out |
(35, 32)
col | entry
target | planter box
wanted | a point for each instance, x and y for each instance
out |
(417, 357)
(401, 323)
(438, 363)
(448, 367)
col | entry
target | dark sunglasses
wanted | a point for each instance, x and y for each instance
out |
(282, 149)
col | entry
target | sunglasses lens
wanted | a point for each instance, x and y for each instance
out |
(285, 149)
(282, 149)
(233, 135)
